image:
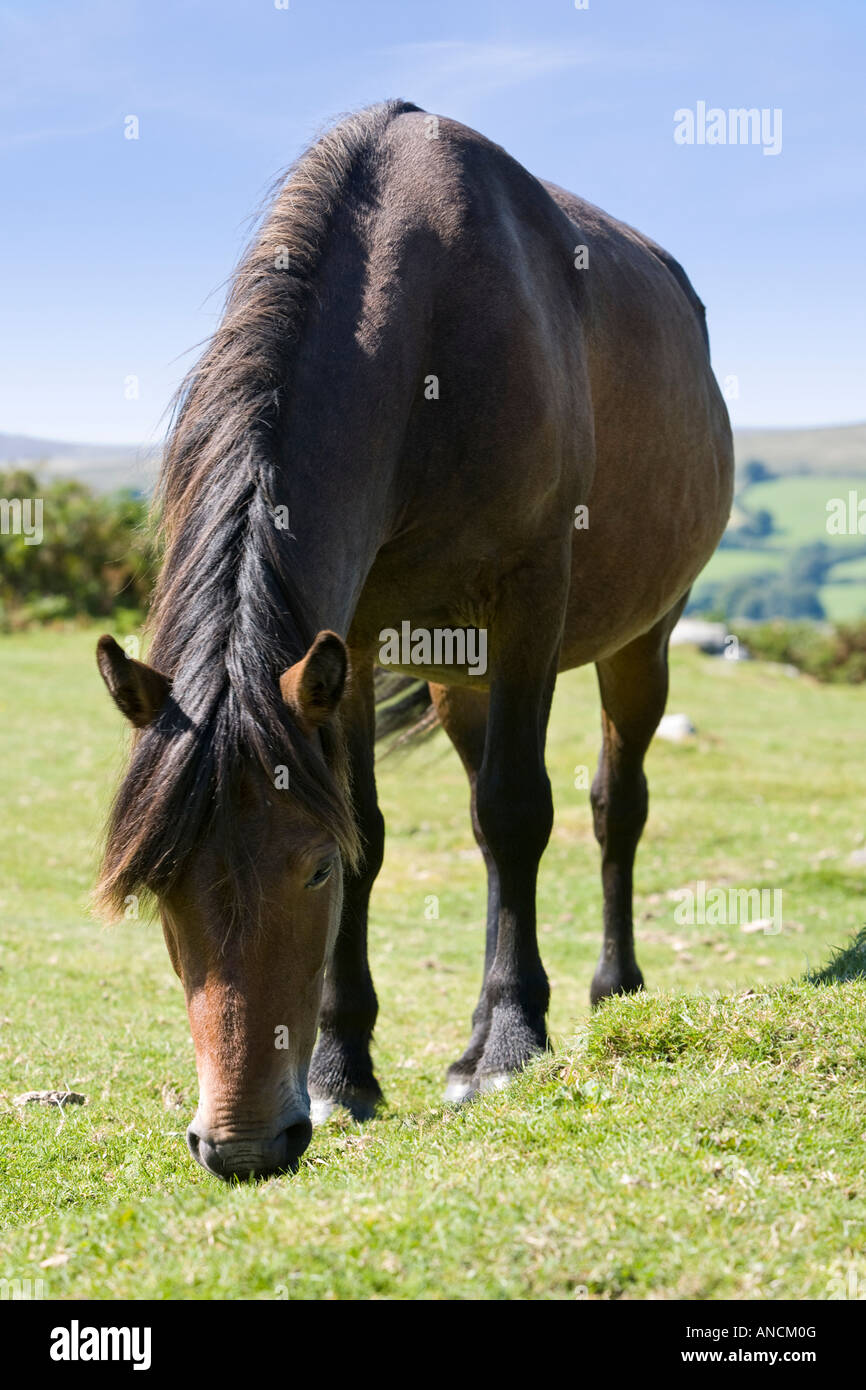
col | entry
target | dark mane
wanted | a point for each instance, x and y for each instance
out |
(228, 617)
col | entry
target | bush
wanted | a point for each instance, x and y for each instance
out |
(760, 597)
(755, 471)
(96, 554)
(836, 655)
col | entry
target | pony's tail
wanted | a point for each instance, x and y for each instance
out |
(405, 712)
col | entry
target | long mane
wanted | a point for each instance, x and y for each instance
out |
(227, 616)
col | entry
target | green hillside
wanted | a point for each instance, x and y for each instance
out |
(775, 518)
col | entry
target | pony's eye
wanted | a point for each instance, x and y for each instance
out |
(322, 874)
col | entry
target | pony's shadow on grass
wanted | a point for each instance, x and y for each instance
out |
(847, 963)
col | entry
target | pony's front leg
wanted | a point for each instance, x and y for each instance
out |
(341, 1070)
(515, 815)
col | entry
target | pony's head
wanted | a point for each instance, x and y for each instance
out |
(246, 871)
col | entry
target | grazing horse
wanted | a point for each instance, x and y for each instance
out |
(430, 367)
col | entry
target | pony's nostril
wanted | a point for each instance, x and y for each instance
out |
(205, 1153)
(296, 1139)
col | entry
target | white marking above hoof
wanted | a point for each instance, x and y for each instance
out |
(494, 1081)
(456, 1092)
(321, 1109)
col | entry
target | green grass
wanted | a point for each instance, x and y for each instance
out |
(731, 564)
(701, 1141)
(843, 600)
(799, 508)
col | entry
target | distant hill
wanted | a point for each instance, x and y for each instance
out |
(105, 467)
(836, 449)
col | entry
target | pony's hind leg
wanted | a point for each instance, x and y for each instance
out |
(634, 687)
(463, 715)
(341, 1071)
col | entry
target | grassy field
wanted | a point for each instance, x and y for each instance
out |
(705, 1141)
(799, 507)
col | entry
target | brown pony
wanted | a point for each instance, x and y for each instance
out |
(430, 368)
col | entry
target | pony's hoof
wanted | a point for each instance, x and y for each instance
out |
(459, 1089)
(609, 980)
(360, 1103)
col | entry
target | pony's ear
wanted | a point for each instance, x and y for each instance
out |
(312, 688)
(139, 691)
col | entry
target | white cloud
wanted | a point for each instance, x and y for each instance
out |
(460, 69)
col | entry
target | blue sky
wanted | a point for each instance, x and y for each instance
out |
(115, 252)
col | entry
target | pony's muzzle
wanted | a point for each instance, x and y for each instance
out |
(250, 1159)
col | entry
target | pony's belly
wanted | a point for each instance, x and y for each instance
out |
(628, 575)
(444, 675)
